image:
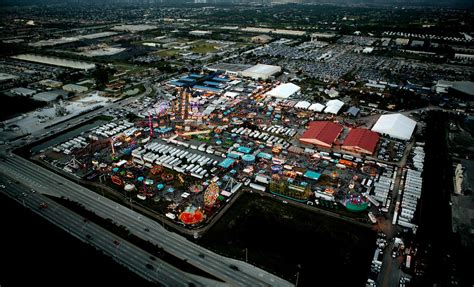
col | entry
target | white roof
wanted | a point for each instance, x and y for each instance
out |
(75, 87)
(284, 91)
(303, 105)
(261, 70)
(395, 125)
(231, 94)
(333, 106)
(317, 107)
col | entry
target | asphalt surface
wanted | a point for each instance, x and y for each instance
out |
(47, 182)
(123, 252)
(69, 123)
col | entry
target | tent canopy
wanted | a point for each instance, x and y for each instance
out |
(395, 125)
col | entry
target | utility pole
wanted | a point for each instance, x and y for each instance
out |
(246, 254)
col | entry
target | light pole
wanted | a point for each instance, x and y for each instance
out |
(297, 278)
(117, 245)
(246, 254)
(84, 225)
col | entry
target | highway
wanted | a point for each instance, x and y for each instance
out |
(45, 181)
(123, 252)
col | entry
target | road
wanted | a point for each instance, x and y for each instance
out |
(390, 269)
(124, 252)
(47, 182)
(69, 123)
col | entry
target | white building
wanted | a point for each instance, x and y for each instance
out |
(261, 71)
(200, 33)
(23, 92)
(464, 57)
(75, 88)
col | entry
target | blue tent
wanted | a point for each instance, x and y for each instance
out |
(226, 163)
(312, 175)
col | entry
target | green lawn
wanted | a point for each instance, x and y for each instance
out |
(167, 53)
(203, 48)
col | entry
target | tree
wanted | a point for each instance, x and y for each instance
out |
(102, 74)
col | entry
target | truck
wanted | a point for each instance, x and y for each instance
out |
(372, 218)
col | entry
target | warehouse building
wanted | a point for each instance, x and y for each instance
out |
(50, 96)
(75, 88)
(361, 141)
(261, 71)
(261, 39)
(23, 92)
(321, 133)
(200, 33)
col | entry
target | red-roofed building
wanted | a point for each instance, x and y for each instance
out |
(321, 133)
(361, 141)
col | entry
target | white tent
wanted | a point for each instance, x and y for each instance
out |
(284, 91)
(231, 94)
(333, 106)
(317, 107)
(395, 125)
(303, 105)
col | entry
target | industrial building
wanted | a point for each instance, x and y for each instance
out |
(396, 126)
(23, 92)
(261, 39)
(75, 88)
(51, 83)
(361, 141)
(229, 68)
(200, 33)
(261, 71)
(321, 133)
(50, 96)
(284, 91)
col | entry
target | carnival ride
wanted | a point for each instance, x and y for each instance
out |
(191, 215)
(356, 202)
(210, 196)
(196, 188)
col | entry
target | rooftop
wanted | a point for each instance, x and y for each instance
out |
(321, 133)
(362, 139)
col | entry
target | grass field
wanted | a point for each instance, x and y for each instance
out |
(203, 48)
(167, 53)
(285, 240)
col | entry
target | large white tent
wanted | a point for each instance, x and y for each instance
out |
(395, 125)
(284, 91)
(317, 107)
(303, 105)
(333, 106)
